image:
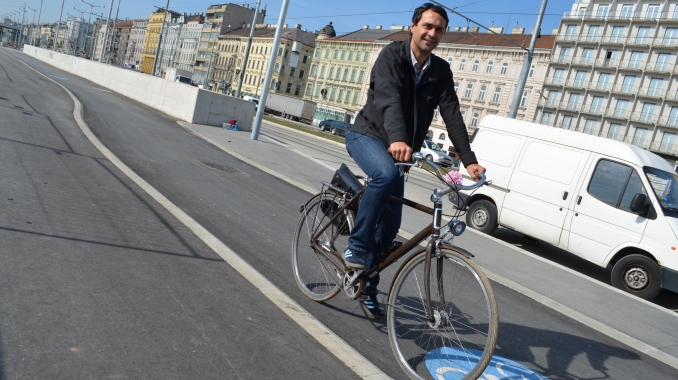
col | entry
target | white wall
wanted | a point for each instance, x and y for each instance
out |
(178, 100)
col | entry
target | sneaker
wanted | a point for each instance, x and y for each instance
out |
(354, 260)
(371, 307)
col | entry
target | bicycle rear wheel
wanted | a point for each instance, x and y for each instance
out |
(315, 272)
(460, 341)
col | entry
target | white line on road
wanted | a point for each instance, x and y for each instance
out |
(100, 89)
(301, 153)
(56, 76)
(332, 342)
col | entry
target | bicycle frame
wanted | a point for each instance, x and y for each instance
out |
(432, 230)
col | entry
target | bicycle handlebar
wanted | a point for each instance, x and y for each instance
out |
(419, 161)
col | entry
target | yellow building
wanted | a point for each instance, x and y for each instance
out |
(294, 56)
(152, 36)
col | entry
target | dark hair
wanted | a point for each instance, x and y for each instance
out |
(429, 6)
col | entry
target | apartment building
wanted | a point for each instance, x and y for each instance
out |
(152, 38)
(77, 36)
(294, 55)
(613, 73)
(340, 72)
(135, 44)
(120, 41)
(188, 43)
(220, 19)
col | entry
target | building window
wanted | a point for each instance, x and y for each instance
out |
(496, 95)
(441, 137)
(531, 73)
(322, 72)
(334, 55)
(343, 54)
(350, 57)
(345, 77)
(365, 56)
(336, 77)
(355, 97)
(305, 59)
(449, 61)
(353, 75)
(523, 99)
(456, 87)
(474, 119)
(481, 94)
(469, 90)
(309, 88)
(341, 95)
(333, 93)
(286, 52)
(590, 126)
(327, 53)
(277, 67)
(357, 56)
(289, 87)
(273, 84)
(317, 91)
(280, 50)
(504, 68)
(462, 63)
(348, 95)
(360, 77)
(313, 70)
(488, 69)
(282, 69)
(474, 68)
(297, 90)
(317, 53)
(331, 73)
(292, 71)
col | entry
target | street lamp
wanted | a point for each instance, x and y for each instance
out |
(32, 26)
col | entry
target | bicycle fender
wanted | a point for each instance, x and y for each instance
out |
(462, 251)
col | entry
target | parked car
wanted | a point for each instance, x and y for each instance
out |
(606, 201)
(433, 153)
(335, 127)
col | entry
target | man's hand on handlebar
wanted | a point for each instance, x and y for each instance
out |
(473, 171)
(400, 151)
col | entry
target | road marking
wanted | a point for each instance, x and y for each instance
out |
(54, 75)
(332, 342)
(100, 89)
(301, 153)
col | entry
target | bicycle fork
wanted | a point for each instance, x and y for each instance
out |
(430, 253)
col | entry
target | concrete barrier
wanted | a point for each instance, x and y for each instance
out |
(179, 100)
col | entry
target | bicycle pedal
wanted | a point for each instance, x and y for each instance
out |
(353, 283)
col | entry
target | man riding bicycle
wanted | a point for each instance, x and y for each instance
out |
(407, 83)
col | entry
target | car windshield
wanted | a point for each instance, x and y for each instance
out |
(433, 146)
(665, 186)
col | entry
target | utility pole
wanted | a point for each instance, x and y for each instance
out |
(31, 39)
(91, 35)
(526, 64)
(21, 32)
(247, 51)
(115, 22)
(209, 67)
(157, 48)
(105, 40)
(56, 36)
(40, 28)
(269, 72)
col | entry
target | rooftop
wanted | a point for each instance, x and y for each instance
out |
(294, 34)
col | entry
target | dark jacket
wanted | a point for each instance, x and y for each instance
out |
(389, 115)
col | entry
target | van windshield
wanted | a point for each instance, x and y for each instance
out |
(665, 186)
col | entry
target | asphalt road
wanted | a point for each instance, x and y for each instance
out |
(99, 281)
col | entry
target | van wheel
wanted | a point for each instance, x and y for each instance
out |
(638, 275)
(429, 158)
(482, 216)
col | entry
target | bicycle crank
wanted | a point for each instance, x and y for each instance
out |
(353, 283)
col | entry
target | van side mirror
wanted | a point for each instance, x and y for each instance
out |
(638, 204)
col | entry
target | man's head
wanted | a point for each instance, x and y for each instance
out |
(429, 23)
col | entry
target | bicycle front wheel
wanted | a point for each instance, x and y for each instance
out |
(458, 341)
(316, 272)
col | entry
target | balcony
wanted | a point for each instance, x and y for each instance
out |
(644, 117)
(583, 61)
(567, 37)
(641, 143)
(593, 110)
(606, 62)
(614, 39)
(670, 16)
(652, 92)
(660, 67)
(555, 81)
(577, 83)
(673, 95)
(548, 103)
(625, 89)
(635, 64)
(666, 41)
(570, 106)
(639, 41)
(618, 113)
(615, 136)
(600, 86)
(668, 121)
(563, 59)
(594, 39)
(666, 148)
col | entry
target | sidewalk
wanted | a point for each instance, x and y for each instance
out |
(304, 161)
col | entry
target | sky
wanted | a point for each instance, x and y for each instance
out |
(346, 15)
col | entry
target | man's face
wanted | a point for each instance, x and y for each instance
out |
(427, 33)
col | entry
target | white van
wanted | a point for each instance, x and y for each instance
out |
(603, 200)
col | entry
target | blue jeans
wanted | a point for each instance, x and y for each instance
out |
(378, 219)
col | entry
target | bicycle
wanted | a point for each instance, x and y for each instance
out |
(441, 313)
